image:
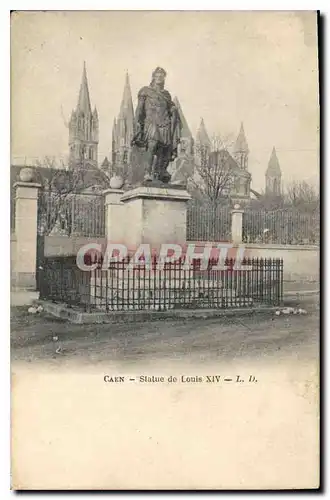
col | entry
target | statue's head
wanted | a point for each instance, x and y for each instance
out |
(158, 77)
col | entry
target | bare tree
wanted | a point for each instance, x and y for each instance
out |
(302, 195)
(210, 186)
(51, 162)
(213, 173)
(55, 198)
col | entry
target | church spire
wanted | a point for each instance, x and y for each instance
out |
(273, 164)
(123, 128)
(273, 175)
(241, 145)
(241, 149)
(126, 106)
(84, 103)
(83, 128)
(202, 137)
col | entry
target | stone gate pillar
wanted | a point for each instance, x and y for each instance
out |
(114, 215)
(26, 215)
(237, 224)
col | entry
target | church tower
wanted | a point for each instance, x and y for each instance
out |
(123, 129)
(83, 129)
(202, 145)
(273, 176)
(241, 150)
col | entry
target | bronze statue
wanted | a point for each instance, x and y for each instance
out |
(158, 127)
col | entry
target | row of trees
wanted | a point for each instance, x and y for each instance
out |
(300, 195)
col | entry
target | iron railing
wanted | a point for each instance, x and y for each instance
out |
(122, 287)
(207, 223)
(284, 226)
(69, 214)
(61, 280)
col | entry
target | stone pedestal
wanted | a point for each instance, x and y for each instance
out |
(26, 234)
(115, 219)
(155, 213)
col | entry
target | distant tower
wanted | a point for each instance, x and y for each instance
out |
(83, 128)
(273, 176)
(123, 129)
(241, 150)
(186, 147)
(202, 144)
(105, 166)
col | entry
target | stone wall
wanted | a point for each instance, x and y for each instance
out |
(65, 245)
(300, 262)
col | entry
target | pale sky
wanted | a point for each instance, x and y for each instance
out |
(257, 67)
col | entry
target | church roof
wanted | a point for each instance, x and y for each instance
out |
(185, 132)
(273, 165)
(241, 142)
(84, 103)
(202, 136)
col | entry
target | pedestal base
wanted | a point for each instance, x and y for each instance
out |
(155, 214)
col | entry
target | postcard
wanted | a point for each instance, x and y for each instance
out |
(165, 241)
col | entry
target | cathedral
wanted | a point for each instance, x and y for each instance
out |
(128, 161)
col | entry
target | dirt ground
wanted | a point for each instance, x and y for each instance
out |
(252, 336)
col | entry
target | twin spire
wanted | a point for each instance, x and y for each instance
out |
(241, 145)
(84, 103)
(126, 106)
(125, 121)
(123, 126)
(83, 127)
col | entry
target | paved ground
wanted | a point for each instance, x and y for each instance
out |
(227, 338)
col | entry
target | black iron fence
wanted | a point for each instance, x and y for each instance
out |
(78, 214)
(122, 286)
(283, 226)
(208, 223)
(61, 280)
